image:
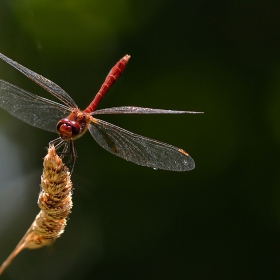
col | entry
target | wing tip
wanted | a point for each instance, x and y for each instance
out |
(189, 164)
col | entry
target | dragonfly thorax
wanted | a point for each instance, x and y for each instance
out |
(68, 129)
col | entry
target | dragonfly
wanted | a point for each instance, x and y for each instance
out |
(71, 123)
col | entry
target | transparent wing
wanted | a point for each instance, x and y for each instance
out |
(139, 149)
(45, 83)
(33, 109)
(139, 110)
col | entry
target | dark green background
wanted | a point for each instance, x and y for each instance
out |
(219, 221)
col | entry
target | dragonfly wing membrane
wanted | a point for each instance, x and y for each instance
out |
(30, 108)
(138, 110)
(45, 83)
(139, 149)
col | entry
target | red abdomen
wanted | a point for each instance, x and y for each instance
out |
(110, 79)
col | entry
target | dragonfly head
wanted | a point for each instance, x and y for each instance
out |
(67, 129)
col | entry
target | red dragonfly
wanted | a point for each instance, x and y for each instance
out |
(71, 123)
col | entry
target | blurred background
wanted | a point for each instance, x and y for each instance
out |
(219, 221)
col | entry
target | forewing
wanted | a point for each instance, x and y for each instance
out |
(28, 107)
(139, 110)
(138, 149)
(45, 83)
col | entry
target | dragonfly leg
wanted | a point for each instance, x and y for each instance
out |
(58, 142)
(68, 150)
(73, 155)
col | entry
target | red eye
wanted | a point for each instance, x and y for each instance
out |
(75, 128)
(67, 129)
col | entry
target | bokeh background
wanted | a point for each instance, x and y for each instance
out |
(219, 221)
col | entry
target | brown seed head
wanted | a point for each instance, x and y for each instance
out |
(55, 202)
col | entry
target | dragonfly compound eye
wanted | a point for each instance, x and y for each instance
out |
(67, 129)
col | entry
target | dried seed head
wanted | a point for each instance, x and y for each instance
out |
(55, 202)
